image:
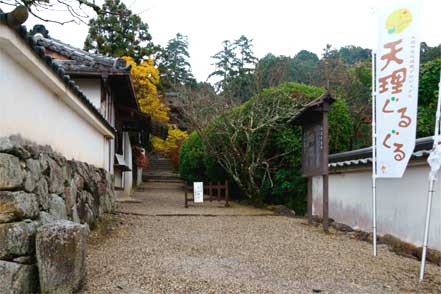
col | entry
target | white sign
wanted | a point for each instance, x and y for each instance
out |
(198, 192)
(397, 69)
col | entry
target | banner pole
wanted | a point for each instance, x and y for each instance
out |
(426, 229)
(374, 157)
(432, 180)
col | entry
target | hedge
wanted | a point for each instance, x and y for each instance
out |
(288, 188)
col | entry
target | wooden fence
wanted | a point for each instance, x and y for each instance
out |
(215, 191)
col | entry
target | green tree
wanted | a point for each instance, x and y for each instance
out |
(272, 71)
(428, 53)
(175, 63)
(243, 85)
(304, 68)
(257, 146)
(119, 33)
(353, 54)
(246, 60)
(235, 66)
(225, 61)
(428, 97)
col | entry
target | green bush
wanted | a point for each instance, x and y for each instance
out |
(192, 158)
(196, 164)
(286, 185)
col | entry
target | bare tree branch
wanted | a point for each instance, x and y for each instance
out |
(238, 137)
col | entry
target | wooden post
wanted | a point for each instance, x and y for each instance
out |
(219, 191)
(210, 191)
(325, 203)
(227, 194)
(325, 171)
(309, 200)
(314, 121)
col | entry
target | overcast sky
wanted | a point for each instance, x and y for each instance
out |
(282, 27)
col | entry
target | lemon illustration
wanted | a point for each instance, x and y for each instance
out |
(398, 20)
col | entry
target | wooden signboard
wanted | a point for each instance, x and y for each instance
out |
(314, 122)
(312, 150)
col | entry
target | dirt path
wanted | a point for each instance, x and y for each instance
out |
(154, 247)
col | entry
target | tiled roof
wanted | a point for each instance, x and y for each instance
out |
(57, 69)
(423, 147)
(80, 60)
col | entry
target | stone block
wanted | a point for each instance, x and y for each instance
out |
(42, 191)
(17, 206)
(46, 218)
(18, 278)
(56, 177)
(61, 252)
(57, 207)
(33, 174)
(11, 173)
(13, 147)
(70, 198)
(17, 239)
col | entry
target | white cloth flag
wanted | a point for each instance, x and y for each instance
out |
(397, 69)
(434, 159)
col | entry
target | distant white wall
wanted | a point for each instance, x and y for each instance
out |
(35, 111)
(128, 175)
(92, 89)
(401, 203)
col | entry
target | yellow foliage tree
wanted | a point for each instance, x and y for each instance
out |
(175, 135)
(145, 78)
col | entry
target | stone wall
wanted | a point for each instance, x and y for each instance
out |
(37, 187)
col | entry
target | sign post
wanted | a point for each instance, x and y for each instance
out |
(314, 121)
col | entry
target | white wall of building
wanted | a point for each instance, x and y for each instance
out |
(401, 203)
(128, 175)
(46, 115)
(92, 89)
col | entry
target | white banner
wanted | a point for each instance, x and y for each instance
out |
(198, 192)
(397, 69)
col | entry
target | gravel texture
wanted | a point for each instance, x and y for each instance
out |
(158, 246)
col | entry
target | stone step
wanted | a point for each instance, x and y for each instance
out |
(161, 178)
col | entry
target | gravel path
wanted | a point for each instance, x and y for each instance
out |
(153, 247)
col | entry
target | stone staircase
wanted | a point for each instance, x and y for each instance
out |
(161, 170)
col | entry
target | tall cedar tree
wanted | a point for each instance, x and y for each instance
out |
(119, 33)
(224, 66)
(235, 67)
(175, 63)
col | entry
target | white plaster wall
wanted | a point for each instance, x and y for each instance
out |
(118, 179)
(92, 89)
(128, 175)
(139, 176)
(29, 108)
(401, 203)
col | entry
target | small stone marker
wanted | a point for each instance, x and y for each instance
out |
(198, 192)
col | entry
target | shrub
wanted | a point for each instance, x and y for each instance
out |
(285, 184)
(191, 159)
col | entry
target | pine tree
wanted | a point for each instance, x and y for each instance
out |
(246, 61)
(119, 33)
(175, 63)
(225, 65)
(235, 67)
